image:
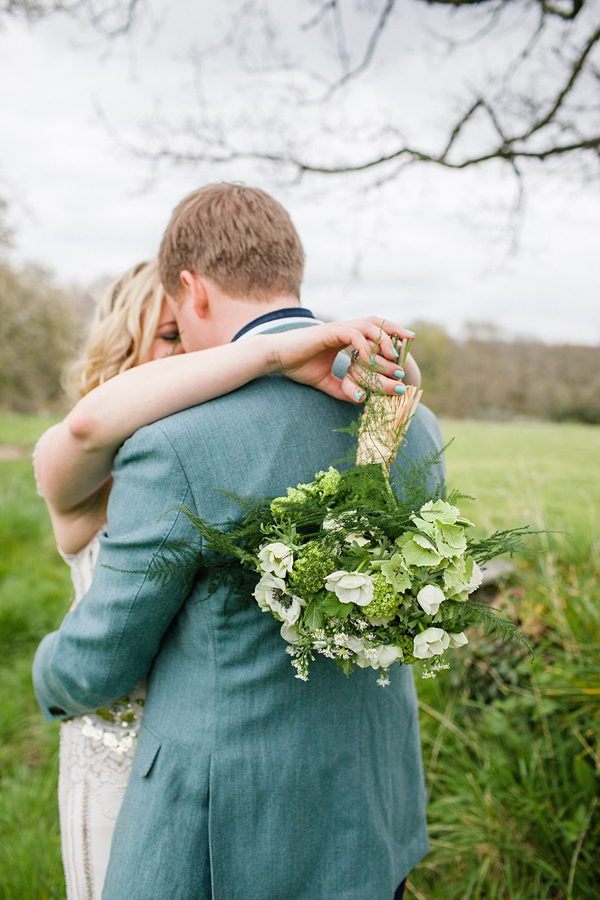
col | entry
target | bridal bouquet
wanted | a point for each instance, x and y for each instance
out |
(357, 571)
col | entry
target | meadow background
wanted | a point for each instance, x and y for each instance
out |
(511, 747)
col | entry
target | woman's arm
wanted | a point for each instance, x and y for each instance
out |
(74, 459)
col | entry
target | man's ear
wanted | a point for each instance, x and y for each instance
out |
(195, 287)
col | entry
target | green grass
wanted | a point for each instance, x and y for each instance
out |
(34, 595)
(511, 748)
(23, 431)
(540, 473)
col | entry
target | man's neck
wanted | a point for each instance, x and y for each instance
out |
(236, 314)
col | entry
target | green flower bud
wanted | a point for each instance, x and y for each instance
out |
(311, 569)
(385, 600)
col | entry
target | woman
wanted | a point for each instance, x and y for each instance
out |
(73, 461)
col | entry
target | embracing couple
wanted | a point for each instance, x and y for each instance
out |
(239, 780)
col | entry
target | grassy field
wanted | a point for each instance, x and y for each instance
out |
(511, 748)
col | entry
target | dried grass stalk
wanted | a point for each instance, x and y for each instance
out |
(384, 423)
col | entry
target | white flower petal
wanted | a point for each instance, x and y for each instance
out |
(429, 599)
(457, 640)
(431, 642)
(277, 558)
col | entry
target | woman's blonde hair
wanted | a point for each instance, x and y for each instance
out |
(122, 330)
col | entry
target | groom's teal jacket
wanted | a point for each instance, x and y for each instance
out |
(247, 783)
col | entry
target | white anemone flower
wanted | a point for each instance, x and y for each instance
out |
(350, 587)
(276, 558)
(457, 640)
(287, 606)
(263, 592)
(385, 655)
(431, 642)
(289, 633)
(378, 657)
(430, 598)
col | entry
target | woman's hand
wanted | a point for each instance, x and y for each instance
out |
(306, 355)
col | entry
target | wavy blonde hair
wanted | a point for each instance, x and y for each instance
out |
(122, 330)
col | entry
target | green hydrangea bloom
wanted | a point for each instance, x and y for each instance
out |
(385, 599)
(405, 642)
(325, 484)
(311, 569)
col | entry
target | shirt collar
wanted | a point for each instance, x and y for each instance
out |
(290, 316)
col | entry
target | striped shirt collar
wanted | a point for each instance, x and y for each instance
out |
(292, 315)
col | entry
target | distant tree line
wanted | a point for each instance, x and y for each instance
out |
(481, 377)
(40, 327)
(485, 377)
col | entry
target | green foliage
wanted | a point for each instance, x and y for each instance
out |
(511, 748)
(514, 772)
(35, 592)
(379, 548)
(39, 329)
(486, 377)
(23, 431)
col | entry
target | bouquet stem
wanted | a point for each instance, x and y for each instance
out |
(384, 423)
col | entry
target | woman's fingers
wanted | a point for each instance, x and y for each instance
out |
(385, 337)
(369, 371)
(381, 332)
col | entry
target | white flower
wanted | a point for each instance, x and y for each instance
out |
(431, 642)
(277, 558)
(476, 579)
(378, 657)
(263, 592)
(356, 644)
(271, 595)
(429, 599)
(457, 640)
(386, 655)
(289, 633)
(287, 606)
(350, 587)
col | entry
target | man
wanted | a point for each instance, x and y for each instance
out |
(247, 783)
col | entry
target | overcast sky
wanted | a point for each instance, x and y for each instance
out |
(432, 245)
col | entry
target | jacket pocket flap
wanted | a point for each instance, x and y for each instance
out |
(146, 752)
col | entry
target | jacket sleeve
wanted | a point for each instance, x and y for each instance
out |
(108, 642)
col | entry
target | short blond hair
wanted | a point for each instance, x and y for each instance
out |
(122, 330)
(237, 235)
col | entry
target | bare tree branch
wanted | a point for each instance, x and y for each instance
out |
(370, 49)
(574, 75)
(534, 99)
(111, 18)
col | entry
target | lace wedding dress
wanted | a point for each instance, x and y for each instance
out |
(95, 758)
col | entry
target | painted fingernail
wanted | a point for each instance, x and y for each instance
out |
(358, 395)
(400, 389)
(408, 331)
(395, 352)
(372, 360)
(399, 373)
